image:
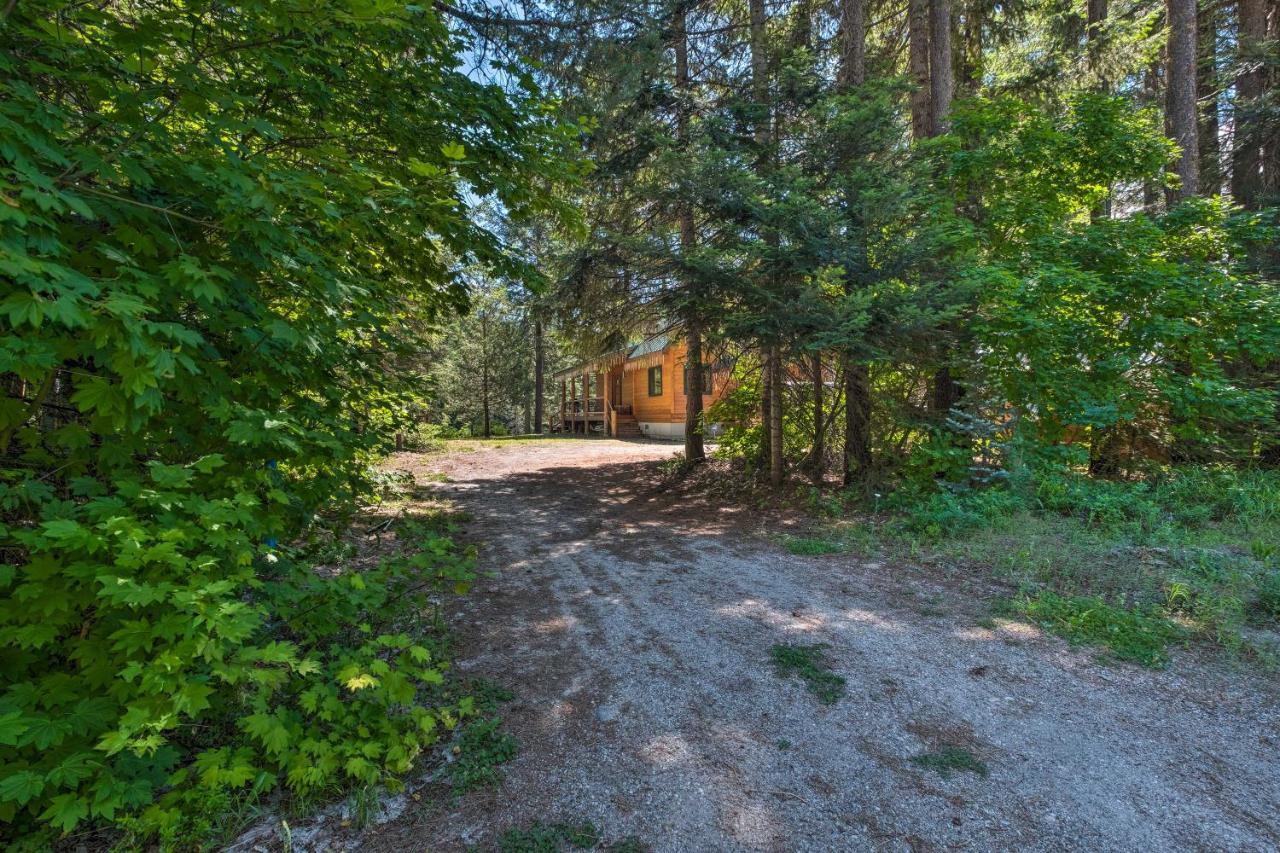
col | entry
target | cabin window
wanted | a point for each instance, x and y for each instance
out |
(706, 379)
(655, 381)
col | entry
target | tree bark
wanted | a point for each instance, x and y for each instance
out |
(853, 45)
(539, 381)
(776, 457)
(941, 79)
(857, 418)
(857, 390)
(918, 67)
(694, 451)
(1181, 79)
(1207, 97)
(945, 392)
(818, 450)
(1247, 149)
(1151, 194)
(771, 451)
(1096, 35)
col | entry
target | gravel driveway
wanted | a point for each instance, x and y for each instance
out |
(635, 629)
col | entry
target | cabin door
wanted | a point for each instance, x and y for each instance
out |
(615, 390)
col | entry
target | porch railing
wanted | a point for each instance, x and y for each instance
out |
(593, 406)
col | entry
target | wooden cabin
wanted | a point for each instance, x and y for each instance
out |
(635, 392)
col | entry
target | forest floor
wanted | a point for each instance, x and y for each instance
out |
(634, 623)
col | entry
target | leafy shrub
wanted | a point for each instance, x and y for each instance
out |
(212, 272)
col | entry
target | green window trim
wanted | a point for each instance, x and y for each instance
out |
(655, 381)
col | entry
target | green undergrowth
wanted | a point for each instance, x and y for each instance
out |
(481, 750)
(809, 664)
(1135, 635)
(1132, 566)
(951, 759)
(807, 546)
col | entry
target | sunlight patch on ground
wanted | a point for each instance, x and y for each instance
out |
(759, 611)
(556, 625)
(666, 750)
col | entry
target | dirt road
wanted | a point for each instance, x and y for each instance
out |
(635, 631)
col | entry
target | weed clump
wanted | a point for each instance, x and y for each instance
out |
(811, 547)
(810, 665)
(481, 749)
(952, 759)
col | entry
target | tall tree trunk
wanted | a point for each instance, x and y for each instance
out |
(853, 44)
(766, 406)
(1151, 194)
(484, 397)
(1207, 97)
(818, 450)
(1271, 82)
(1181, 78)
(776, 457)
(539, 379)
(770, 404)
(918, 67)
(857, 418)
(945, 392)
(694, 451)
(1096, 36)
(857, 391)
(941, 78)
(1247, 149)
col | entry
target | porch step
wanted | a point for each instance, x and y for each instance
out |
(627, 427)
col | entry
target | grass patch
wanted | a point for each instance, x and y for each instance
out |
(481, 751)
(951, 759)
(811, 547)
(810, 665)
(1195, 546)
(1138, 636)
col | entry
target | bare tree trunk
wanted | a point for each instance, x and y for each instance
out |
(1096, 32)
(1271, 82)
(941, 79)
(760, 96)
(945, 391)
(818, 450)
(694, 452)
(539, 380)
(918, 67)
(857, 418)
(693, 447)
(1246, 160)
(853, 44)
(776, 457)
(484, 395)
(766, 405)
(857, 391)
(1181, 78)
(1151, 194)
(1207, 97)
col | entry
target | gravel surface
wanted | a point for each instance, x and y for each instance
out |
(635, 629)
